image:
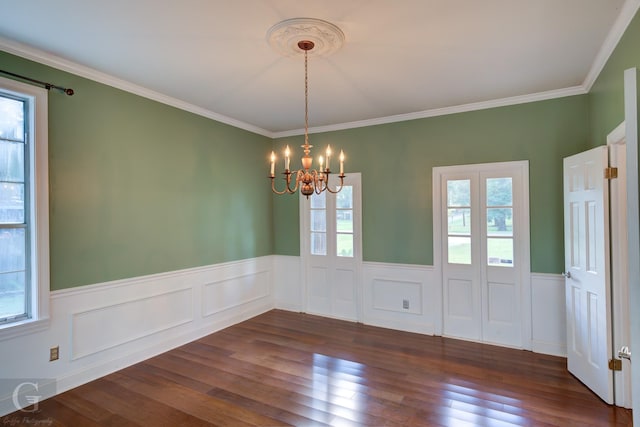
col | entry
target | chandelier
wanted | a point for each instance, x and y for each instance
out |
(283, 36)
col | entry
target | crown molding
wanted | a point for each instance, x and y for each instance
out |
(627, 12)
(503, 102)
(51, 60)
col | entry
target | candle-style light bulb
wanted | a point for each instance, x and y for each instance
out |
(321, 161)
(341, 162)
(273, 163)
(328, 155)
(287, 152)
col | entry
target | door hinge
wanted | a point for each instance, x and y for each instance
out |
(615, 364)
(610, 173)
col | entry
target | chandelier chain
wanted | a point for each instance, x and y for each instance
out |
(306, 101)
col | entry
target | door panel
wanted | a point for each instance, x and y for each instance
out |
(588, 292)
(461, 291)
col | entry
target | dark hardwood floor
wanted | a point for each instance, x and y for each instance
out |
(285, 368)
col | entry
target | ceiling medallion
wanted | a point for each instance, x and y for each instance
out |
(284, 36)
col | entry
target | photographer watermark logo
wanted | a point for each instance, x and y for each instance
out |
(25, 396)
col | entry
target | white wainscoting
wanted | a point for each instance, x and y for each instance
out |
(385, 287)
(104, 327)
(401, 296)
(548, 318)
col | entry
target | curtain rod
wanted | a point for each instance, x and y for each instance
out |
(47, 86)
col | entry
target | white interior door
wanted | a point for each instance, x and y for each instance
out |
(484, 243)
(331, 250)
(587, 287)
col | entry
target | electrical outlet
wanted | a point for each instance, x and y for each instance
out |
(405, 304)
(54, 353)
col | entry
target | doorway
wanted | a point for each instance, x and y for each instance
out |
(331, 250)
(481, 224)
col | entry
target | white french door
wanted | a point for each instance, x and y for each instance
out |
(484, 247)
(331, 248)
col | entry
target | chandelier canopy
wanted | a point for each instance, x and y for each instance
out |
(292, 37)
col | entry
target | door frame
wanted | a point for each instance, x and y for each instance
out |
(522, 245)
(616, 142)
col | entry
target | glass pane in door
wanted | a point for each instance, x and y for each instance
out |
(499, 215)
(344, 222)
(459, 250)
(500, 252)
(499, 191)
(318, 224)
(459, 221)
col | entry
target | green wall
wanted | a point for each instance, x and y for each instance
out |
(139, 187)
(396, 162)
(606, 98)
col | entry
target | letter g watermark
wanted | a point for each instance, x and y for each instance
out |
(25, 392)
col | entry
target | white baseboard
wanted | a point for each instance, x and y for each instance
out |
(105, 327)
(551, 348)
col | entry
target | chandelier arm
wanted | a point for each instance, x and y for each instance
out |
(287, 189)
(320, 183)
(341, 176)
(273, 188)
(298, 177)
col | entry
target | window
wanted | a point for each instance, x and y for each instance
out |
(24, 210)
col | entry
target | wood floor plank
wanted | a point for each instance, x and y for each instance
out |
(290, 369)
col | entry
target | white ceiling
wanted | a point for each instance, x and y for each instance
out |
(401, 59)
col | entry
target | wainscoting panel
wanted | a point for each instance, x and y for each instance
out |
(549, 324)
(396, 295)
(287, 273)
(128, 321)
(401, 296)
(104, 327)
(234, 291)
